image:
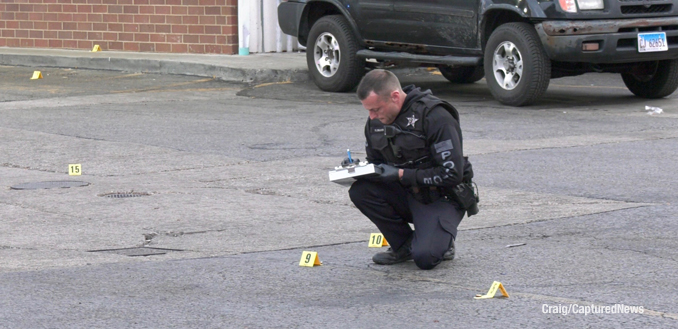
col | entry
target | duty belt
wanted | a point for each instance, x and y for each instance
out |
(427, 194)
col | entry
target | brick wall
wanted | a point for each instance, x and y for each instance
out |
(177, 26)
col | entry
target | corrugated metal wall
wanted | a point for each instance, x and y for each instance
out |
(258, 27)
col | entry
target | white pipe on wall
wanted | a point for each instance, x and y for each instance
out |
(243, 27)
(258, 28)
(278, 33)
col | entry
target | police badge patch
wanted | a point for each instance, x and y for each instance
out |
(411, 121)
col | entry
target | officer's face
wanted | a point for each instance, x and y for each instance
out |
(383, 108)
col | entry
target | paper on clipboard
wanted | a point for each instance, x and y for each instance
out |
(347, 175)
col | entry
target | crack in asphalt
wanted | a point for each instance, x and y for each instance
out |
(11, 165)
(15, 166)
(324, 138)
(22, 206)
(646, 253)
(559, 218)
(15, 248)
(571, 146)
(303, 247)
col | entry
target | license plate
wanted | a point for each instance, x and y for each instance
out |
(649, 42)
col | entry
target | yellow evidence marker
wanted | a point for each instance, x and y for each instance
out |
(309, 259)
(75, 169)
(96, 48)
(36, 75)
(377, 241)
(493, 290)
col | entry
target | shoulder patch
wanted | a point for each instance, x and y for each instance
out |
(443, 146)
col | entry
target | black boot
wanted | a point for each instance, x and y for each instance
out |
(449, 254)
(391, 257)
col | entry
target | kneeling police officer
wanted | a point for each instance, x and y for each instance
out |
(415, 138)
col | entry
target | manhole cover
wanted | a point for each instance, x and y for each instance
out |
(120, 195)
(137, 251)
(47, 185)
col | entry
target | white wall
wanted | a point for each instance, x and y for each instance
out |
(258, 25)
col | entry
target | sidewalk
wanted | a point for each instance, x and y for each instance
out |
(254, 68)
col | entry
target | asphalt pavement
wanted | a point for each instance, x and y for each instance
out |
(202, 193)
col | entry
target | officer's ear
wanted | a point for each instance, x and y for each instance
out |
(396, 95)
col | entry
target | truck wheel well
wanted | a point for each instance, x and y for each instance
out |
(495, 18)
(314, 12)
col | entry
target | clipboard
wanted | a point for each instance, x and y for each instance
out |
(347, 175)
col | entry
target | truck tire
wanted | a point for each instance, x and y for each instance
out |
(663, 82)
(517, 69)
(331, 55)
(462, 74)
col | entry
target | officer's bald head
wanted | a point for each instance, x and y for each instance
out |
(381, 82)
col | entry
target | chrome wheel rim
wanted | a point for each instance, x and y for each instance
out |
(507, 65)
(327, 54)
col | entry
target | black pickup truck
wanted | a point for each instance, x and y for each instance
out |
(518, 45)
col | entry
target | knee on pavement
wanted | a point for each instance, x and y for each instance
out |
(424, 259)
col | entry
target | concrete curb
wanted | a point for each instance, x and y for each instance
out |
(253, 69)
(221, 72)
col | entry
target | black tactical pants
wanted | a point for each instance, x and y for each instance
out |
(391, 207)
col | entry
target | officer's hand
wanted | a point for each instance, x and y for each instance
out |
(346, 162)
(389, 174)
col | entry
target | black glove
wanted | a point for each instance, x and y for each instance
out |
(346, 162)
(389, 174)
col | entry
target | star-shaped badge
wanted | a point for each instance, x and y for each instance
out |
(411, 121)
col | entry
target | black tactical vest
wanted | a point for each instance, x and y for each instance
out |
(409, 148)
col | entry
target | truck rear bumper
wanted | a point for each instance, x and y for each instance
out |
(617, 39)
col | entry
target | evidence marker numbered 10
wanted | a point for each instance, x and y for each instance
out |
(377, 241)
